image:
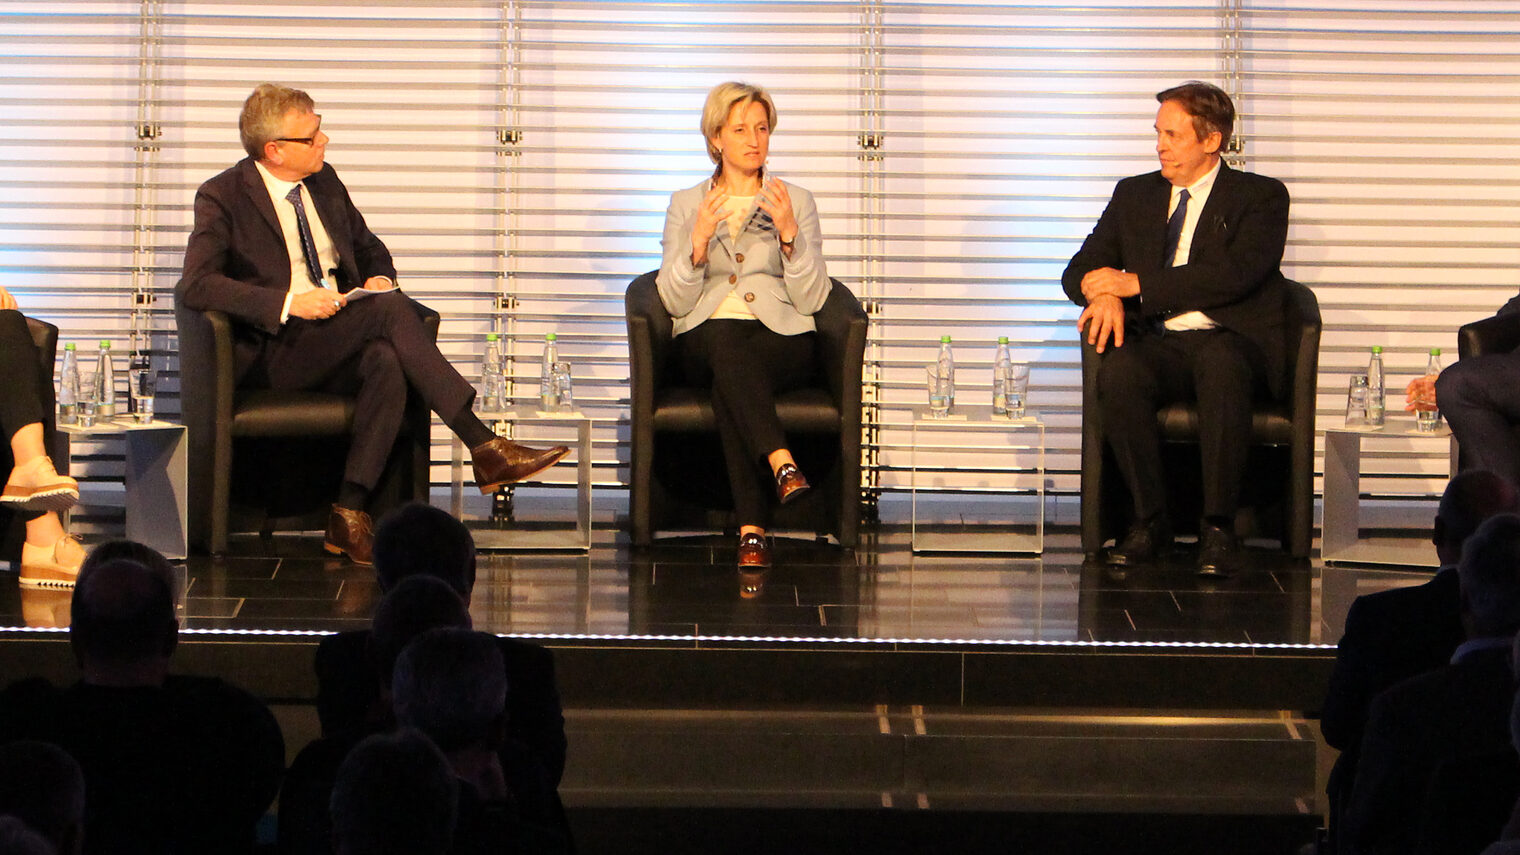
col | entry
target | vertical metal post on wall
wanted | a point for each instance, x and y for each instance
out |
(144, 209)
(872, 141)
(1231, 50)
(509, 136)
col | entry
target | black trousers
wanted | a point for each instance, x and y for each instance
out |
(747, 365)
(1220, 369)
(1480, 398)
(374, 348)
(19, 402)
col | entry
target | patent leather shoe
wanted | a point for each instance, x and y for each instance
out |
(351, 533)
(754, 551)
(789, 483)
(1218, 551)
(502, 461)
(1142, 544)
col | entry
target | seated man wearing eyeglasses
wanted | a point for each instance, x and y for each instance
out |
(279, 246)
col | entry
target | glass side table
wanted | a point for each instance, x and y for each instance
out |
(1340, 529)
(487, 532)
(1003, 436)
(156, 479)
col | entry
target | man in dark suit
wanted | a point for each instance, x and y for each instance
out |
(1456, 711)
(1182, 297)
(418, 539)
(1393, 635)
(279, 246)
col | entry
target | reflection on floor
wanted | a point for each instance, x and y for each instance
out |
(687, 587)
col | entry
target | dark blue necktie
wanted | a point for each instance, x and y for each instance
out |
(309, 245)
(1173, 228)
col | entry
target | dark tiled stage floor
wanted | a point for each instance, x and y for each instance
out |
(1037, 696)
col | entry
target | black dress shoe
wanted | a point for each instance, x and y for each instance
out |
(1142, 544)
(754, 551)
(1218, 551)
(789, 483)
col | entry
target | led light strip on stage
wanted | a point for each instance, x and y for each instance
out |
(776, 639)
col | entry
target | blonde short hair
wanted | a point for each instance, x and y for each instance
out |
(263, 113)
(721, 101)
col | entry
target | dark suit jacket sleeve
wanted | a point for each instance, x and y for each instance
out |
(537, 719)
(215, 241)
(1103, 248)
(1351, 684)
(1237, 247)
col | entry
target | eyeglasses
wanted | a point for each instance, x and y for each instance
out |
(303, 140)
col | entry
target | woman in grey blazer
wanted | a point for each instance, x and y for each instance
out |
(742, 274)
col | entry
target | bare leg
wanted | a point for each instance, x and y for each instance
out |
(779, 458)
(27, 444)
(44, 530)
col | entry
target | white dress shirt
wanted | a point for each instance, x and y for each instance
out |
(1198, 196)
(327, 256)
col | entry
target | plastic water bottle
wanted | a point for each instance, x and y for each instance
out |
(547, 393)
(493, 376)
(1427, 420)
(105, 382)
(68, 386)
(944, 368)
(1375, 398)
(1002, 366)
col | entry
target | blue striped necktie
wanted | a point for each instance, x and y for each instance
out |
(308, 244)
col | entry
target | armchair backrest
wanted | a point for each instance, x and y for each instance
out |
(842, 326)
(1302, 325)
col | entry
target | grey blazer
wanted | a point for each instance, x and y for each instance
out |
(783, 293)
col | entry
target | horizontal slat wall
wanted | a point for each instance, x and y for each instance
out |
(1395, 125)
(1006, 125)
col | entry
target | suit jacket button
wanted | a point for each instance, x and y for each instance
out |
(739, 258)
(750, 297)
(732, 279)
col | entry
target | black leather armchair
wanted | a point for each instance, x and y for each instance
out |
(677, 477)
(1277, 495)
(1498, 334)
(262, 459)
(12, 525)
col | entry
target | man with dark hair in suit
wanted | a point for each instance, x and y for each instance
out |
(1182, 297)
(279, 246)
(1457, 711)
(394, 795)
(1393, 635)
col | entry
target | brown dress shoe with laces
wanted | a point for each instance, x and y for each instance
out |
(789, 483)
(350, 533)
(754, 551)
(502, 461)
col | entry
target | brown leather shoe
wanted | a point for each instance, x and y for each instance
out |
(754, 551)
(502, 461)
(351, 533)
(789, 483)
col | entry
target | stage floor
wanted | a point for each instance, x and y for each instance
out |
(686, 589)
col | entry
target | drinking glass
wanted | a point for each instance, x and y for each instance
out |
(144, 385)
(1356, 401)
(1016, 389)
(939, 392)
(89, 399)
(564, 398)
(1427, 417)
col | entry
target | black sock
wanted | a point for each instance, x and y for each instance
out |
(470, 429)
(353, 496)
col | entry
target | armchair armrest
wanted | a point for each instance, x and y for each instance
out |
(1498, 334)
(842, 325)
